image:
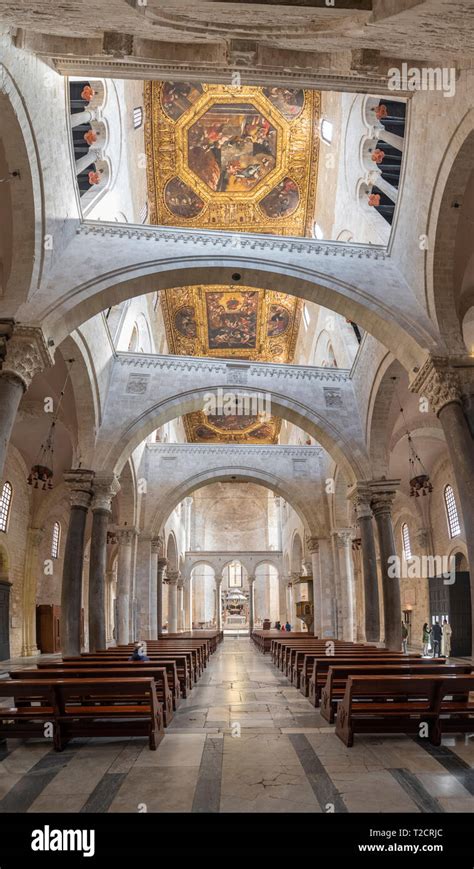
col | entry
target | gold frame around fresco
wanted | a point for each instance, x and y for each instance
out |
(297, 158)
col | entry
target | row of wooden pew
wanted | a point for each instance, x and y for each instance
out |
(103, 693)
(367, 689)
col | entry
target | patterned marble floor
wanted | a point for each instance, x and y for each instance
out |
(244, 741)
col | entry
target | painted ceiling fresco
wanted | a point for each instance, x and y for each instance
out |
(236, 158)
(228, 323)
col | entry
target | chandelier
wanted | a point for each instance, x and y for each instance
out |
(419, 480)
(42, 471)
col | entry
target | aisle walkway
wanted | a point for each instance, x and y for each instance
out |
(244, 741)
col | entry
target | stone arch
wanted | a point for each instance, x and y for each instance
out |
(172, 552)
(296, 554)
(378, 423)
(404, 332)
(22, 248)
(350, 458)
(448, 214)
(231, 474)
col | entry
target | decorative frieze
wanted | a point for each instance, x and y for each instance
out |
(172, 451)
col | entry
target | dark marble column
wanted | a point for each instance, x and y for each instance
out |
(443, 385)
(383, 495)
(162, 562)
(105, 488)
(80, 486)
(361, 497)
(23, 353)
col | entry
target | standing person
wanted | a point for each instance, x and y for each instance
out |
(446, 643)
(426, 638)
(287, 627)
(404, 638)
(437, 635)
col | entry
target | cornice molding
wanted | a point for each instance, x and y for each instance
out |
(236, 242)
(254, 450)
(278, 371)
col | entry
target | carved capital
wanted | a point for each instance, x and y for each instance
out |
(79, 483)
(360, 495)
(344, 537)
(105, 487)
(162, 562)
(172, 577)
(126, 535)
(383, 495)
(313, 544)
(156, 545)
(438, 382)
(26, 353)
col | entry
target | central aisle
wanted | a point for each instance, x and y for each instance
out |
(244, 741)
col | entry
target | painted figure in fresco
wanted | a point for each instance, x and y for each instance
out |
(232, 147)
(282, 200)
(185, 321)
(288, 101)
(232, 320)
(181, 200)
(278, 319)
(178, 96)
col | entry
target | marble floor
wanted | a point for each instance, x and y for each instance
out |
(244, 741)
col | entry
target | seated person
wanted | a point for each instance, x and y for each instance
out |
(139, 652)
(278, 625)
(287, 627)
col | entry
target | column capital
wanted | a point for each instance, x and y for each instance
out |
(79, 483)
(438, 381)
(344, 536)
(156, 545)
(162, 562)
(383, 494)
(313, 544)
(24, 352)
(172, 577)
(250, 579)
(105, 487)
(360, 496)
(126, 534)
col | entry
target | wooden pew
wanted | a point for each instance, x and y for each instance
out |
(184, 663)
(307, 685)
(321, 668)
(337, 677)
(158, 674)
(168, 664)
(133, 709)
(399, 704)
(23, 720)
(263, 639)
(295, 658)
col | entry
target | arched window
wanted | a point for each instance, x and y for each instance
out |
(137, 117)
(55, 540)
(5, 504)
(326, 131)
(406, 542)
(451, 512)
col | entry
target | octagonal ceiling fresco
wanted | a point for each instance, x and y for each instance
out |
(228, 323)
(236, 158)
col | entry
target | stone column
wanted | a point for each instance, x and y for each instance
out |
(440, 384)
(360, 494)
(251, 581)
(84, 162)
(32, 568)
(180, 605)
(109, 607)
(390, 138)
(283, 592)
(79, 483)
(162, 562)
(105, 488)
(383, 495)
(219, 604)
(328, 588)
(143, 575)
(78, 118)
(126, 537)
(23, 353)
(156, 547)
(347, 583)
(313, 548)
(172, 580)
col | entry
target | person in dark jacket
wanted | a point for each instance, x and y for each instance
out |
(139, 653)
(437, 636)
(287, 627)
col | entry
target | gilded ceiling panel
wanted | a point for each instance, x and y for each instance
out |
(232, 158)
(229, 323)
